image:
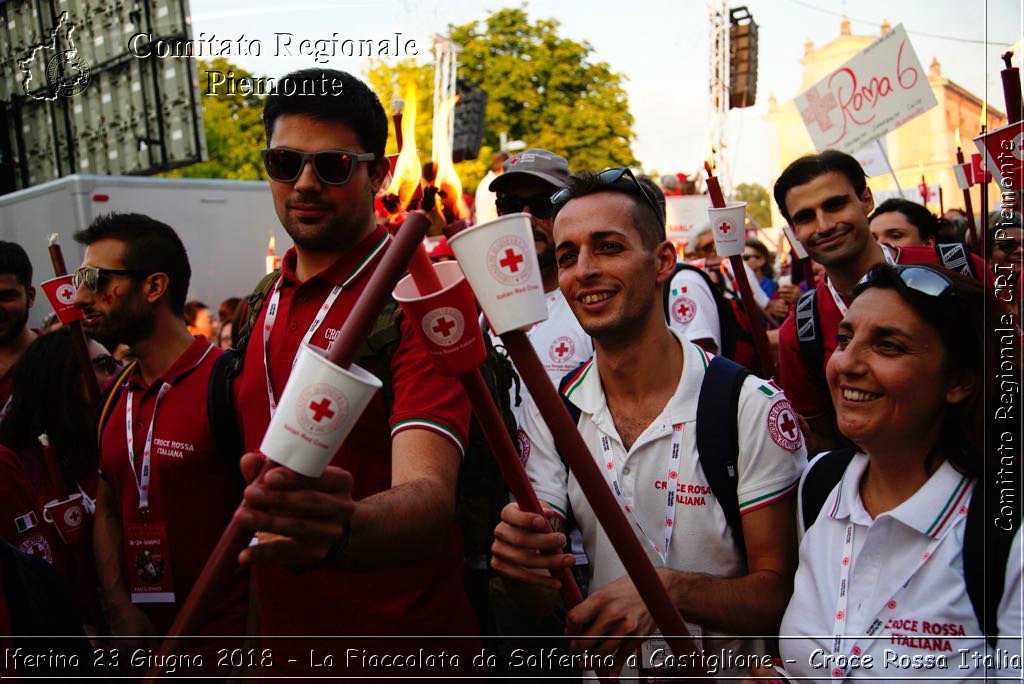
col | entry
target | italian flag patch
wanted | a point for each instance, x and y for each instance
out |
(769, 389)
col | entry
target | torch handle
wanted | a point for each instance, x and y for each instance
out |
(423, 272)
(216, 573)
(397, 119)
(54, 471)
(78, 341)
(393, 264)
(969, 209)
(511, 467)
(1011, 93)
(754, 316)
(570, 445)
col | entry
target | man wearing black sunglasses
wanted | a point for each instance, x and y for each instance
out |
(164, 485)
(377, 528)
(528, 181)
(826, 199)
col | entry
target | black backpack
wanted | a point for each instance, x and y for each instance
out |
(717, 433)
(985, 581)
(954, 255)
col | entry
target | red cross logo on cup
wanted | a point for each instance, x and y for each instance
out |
(65, 294)
(508, 260)
(725, 227)
(321, 408)
(73, 517)
(443, 326)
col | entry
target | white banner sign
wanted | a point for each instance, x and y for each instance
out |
(910, 193)
(685, 212)
(877, 91)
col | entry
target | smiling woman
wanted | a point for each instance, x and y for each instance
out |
(908, 381)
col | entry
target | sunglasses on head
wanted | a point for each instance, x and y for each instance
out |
(920, 279)
(95, 279)
(611, 177)
(106, 364)
(748, 257)
(332, 167)
(540, 205)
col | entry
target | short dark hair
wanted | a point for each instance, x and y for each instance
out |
(917, 215)
(650, 226)
(311, 92)
(807, 168)
(152, 247)
(192, 310)
(227, 309)
(958, 320)
(14, 260)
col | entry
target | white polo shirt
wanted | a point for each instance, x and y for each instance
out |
(917, 626)
(559, 341)
(700, 537)
(691, 308)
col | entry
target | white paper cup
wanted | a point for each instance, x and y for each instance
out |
(317, 410)
(500, 262)
(728, 229)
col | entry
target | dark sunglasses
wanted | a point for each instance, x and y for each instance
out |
(611, 177)
(106, 364)
(332, 167)
(917, 278)
(539, 205)
(95, 279)
(1006, 246)
(748, 257)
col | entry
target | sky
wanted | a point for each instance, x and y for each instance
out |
(659, 46)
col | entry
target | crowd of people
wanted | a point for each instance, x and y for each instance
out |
(838, 517)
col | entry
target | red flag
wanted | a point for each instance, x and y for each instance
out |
(1003, 149)
(978, 171)
(61, 293)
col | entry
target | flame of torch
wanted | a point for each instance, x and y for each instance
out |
(271, 262)
(956, 137)
(408, 168)
(447, 179)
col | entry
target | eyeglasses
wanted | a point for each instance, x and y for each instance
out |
(539, 204)
(95, 279)
(918, 278)
(332, 167)
(106, 364)
(1006, 246)
(611, 177)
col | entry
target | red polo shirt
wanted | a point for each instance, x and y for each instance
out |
(193, 490)
(425, 597)
(797, 378)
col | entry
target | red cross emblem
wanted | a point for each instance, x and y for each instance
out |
(782, 426)
(321, 409)
(819, 108)
(561, 349)
(682, 309)
(840, 615)
(725, 227)
(443, 326)
(66, 294)
(511, 261)
(73, 517)
(788, 425)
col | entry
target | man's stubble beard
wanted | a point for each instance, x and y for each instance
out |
(129, 324)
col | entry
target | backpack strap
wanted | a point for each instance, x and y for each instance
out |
(822, 477)
(956, 257)
(109, 401)
(986, 554)
(220, 404)
(809, 336)
(718, 437)
(253, 306)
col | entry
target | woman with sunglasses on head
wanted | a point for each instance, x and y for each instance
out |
(883, 589)
(48, 453)
(759, 259)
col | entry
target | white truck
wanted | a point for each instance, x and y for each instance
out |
(225, 226)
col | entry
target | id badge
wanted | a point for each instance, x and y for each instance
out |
(148, 561)
(656, 653)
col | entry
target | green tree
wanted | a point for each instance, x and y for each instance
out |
(545, 89)
(756, 197)
(234, 129)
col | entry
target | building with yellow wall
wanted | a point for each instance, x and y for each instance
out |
(923, 145)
